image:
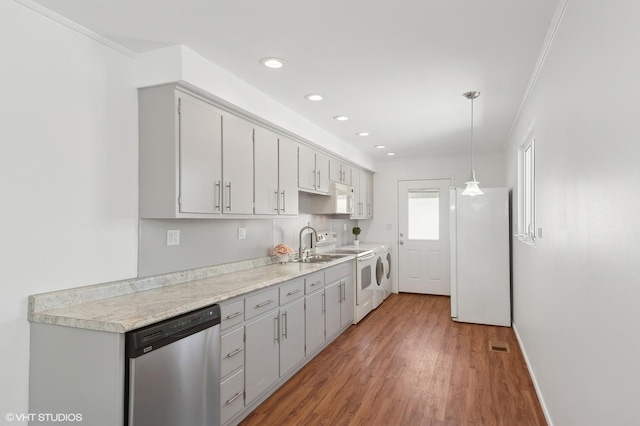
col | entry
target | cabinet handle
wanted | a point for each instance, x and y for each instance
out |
(316, 283)
(277, 209)
(236, 396)
(277, 329)
(216, 194)
(294, 292)
(229, 186)
(284, 208)
(284, 316)
(342, 291)
(319, 180)
(260, 305)
(324, 307)
(234, 353)
(237, 314)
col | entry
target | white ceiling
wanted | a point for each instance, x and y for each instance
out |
(396, 68)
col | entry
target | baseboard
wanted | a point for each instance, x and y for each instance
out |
(533, 377)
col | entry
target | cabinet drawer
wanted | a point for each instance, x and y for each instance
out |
(231, 396)
(338, 272)
(232, 314)
(260, 303)
(231, 351)
(313, 282)
(291, 291)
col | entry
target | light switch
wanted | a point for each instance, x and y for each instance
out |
(242, 233)
(173, 237)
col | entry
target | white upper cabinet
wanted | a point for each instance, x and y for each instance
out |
(362, 194)
(237, 165)
(275, 167)
(180, 154)
(313, 170)
(196, 160)
(339, 171)
(199, 138)
(267, 194)
(288, 176)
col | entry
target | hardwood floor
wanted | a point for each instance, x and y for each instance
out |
(408, 363)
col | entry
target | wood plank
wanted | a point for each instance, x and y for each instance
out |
(408, 363)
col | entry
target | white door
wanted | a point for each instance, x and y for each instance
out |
(423, 226)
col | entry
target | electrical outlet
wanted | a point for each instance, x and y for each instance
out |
(173, 237)
(345, 227)
(242, 233)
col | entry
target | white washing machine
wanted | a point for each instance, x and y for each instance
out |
(385, 253)
(381, 284)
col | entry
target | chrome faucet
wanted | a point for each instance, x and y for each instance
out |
(315, 233)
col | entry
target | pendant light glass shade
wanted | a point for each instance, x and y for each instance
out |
(472, 188)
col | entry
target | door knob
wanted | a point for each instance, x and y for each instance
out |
(401, 242)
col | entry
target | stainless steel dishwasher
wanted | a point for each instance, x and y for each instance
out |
(173, 371)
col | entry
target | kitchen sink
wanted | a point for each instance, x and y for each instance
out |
(319, 258)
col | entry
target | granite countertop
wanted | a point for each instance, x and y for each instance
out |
(126, 305)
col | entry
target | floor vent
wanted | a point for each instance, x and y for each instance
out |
(499, 347)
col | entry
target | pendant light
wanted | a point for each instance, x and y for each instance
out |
(472, 188)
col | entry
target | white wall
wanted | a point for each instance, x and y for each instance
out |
(384, 226)
(576, 295)
(68, 168)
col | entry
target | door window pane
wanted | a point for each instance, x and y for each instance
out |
(423, 214)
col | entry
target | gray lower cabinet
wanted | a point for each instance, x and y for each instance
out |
(346, 301)
(291, 336)
(274, 342)
(283, 328)
(314, 320)
(332, 295)
(262, 356)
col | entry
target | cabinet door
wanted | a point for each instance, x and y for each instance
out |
(291, 335)
(314, 321)
(357, 200)
(267, 195)
(347, 306)
(332, 309)
(339, 171)
(237, 165)
(346, 174)
(288, 176)
(200, 148)
(262, 355)
(307, 177)
(369, 195)
(322, 169)
(335, 170)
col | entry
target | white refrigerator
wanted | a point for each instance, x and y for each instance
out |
(480, 279)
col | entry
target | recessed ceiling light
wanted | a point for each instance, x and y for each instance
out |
(314, 97)
(341, 118)
(380, 146)
(272, 62)
(391, 153)
(363, 133)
